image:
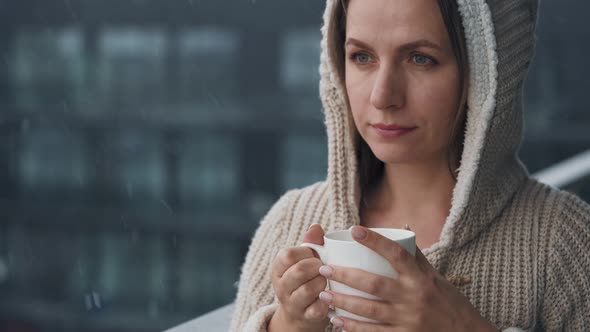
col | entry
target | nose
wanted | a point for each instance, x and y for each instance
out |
(389, 90)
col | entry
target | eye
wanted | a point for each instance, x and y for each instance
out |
(422, 60)
(361, 58)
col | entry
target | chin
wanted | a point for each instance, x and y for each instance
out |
(394, 155)
(406, 154)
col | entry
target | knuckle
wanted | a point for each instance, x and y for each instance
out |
(306, 291)
(314, 312)
(316, 263)
(399, 253)
(352, 325)
(375, 285)
(288, 256)
(373, 310)
(281, 256)
(343, 275)
(309, 290)
(298, 272)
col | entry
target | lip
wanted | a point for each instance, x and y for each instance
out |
(391, 130)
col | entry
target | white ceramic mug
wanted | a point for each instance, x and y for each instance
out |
(340, 249)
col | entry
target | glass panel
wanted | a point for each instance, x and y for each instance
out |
(209, 170)
(47, 68)
(300, 52)
(52, 159)
(207, 65)
(131, 67)
(138, 166)
(304, 161)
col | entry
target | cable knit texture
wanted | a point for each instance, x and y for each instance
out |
(523, 245)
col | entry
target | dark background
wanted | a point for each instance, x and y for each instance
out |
(142, 141)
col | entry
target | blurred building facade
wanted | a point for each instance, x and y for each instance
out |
(141, 143)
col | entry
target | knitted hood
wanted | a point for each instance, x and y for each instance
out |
(500, 42)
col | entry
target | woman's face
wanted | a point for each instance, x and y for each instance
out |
(400, 69)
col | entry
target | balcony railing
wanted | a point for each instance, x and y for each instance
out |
(566, 172)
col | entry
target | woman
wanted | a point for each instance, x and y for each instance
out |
(423, 114)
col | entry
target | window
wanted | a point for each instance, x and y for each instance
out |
(142, 141)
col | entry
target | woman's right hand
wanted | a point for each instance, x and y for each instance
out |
(298, 283)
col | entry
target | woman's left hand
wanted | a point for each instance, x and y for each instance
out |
(419, 300)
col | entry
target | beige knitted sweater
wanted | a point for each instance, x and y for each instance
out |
(524, 245)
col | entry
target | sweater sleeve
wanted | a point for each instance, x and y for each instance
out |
(255, 302)
(566, 299)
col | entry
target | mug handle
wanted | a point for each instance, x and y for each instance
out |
(321, 250)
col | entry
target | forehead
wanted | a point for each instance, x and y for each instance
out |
(395, 21)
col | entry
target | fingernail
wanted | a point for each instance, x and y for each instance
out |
(326, 271)
(312, 226)
(337, 322)
(359, 233)
(407, 227)
(326, 297)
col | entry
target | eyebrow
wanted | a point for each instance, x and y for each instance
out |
(404, 47)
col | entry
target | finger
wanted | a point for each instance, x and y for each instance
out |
(423, 262)
(287, 257)
(307, 293)
(352, 325)
(299, 274)
(315, 234)
(317, 311)
(374, 284)
(373, 309)
(402, 261)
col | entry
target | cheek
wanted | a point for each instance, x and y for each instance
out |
(438, 101)
(358, 88)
